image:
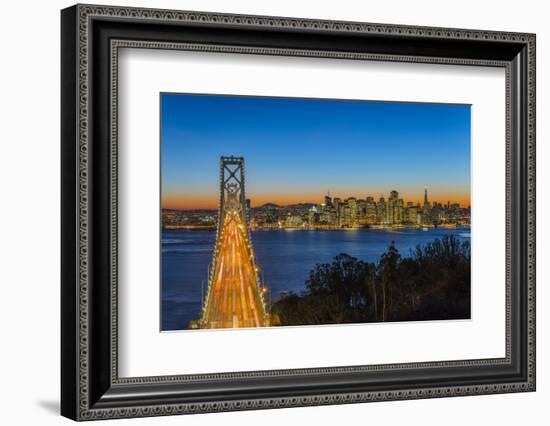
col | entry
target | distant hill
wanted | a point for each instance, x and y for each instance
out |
(263, 206)
(308, 205)
(190, 211)
(266, 205)
(277, 206)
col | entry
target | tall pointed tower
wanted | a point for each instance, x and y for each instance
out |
(426, 202)
(426, 209)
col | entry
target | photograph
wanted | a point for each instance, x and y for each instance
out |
(263, 209)
(299, 212)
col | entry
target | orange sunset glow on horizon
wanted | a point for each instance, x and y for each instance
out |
(210, 201)
(298, 150)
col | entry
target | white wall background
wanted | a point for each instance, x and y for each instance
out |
(29, 212)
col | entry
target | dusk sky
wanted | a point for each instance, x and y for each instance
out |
(296, 150)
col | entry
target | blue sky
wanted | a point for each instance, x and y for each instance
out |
(298, 149)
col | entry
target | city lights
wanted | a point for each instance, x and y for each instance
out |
(335, 213)
(235, 298)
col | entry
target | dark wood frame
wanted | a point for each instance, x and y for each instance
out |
(90, 386)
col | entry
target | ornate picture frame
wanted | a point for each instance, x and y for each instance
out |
(91, 37)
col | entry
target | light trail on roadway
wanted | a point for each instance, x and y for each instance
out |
(234, 299)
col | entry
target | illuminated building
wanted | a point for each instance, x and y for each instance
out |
(370, 211)
(381, 211)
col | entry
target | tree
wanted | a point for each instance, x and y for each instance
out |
(432, 283)
(388, 273)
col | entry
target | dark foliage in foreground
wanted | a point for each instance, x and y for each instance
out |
(432, 284)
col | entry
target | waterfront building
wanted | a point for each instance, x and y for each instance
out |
(361, 218)
(293, 221)
(328, 201)
(413, 215)
(426, 220)
(336, 204)
(394, 209)
(345, 214)
(327, 216)
(370, 211)
(399, 211)
(312, 216)
(381, 211)
(352, 205)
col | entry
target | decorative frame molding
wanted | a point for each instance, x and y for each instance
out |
(91, 388)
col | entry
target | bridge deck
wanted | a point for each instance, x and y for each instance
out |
(234, 299)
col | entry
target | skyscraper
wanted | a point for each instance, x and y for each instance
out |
(350, 212)
(328, 201)
(426, 208)
(426, 202)
(394, 209)
(381, 211)
(370, 211)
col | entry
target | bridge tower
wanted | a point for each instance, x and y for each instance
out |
(235, 297)
(232, 195)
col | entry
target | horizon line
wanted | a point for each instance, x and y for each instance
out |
(461, 205)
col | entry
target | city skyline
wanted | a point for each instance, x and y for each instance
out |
(333, 213)
(297, 150)
(319, 200)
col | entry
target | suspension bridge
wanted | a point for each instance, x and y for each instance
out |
(235, 296)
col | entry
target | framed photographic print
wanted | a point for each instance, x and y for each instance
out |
(263, 212)
(344, 265)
